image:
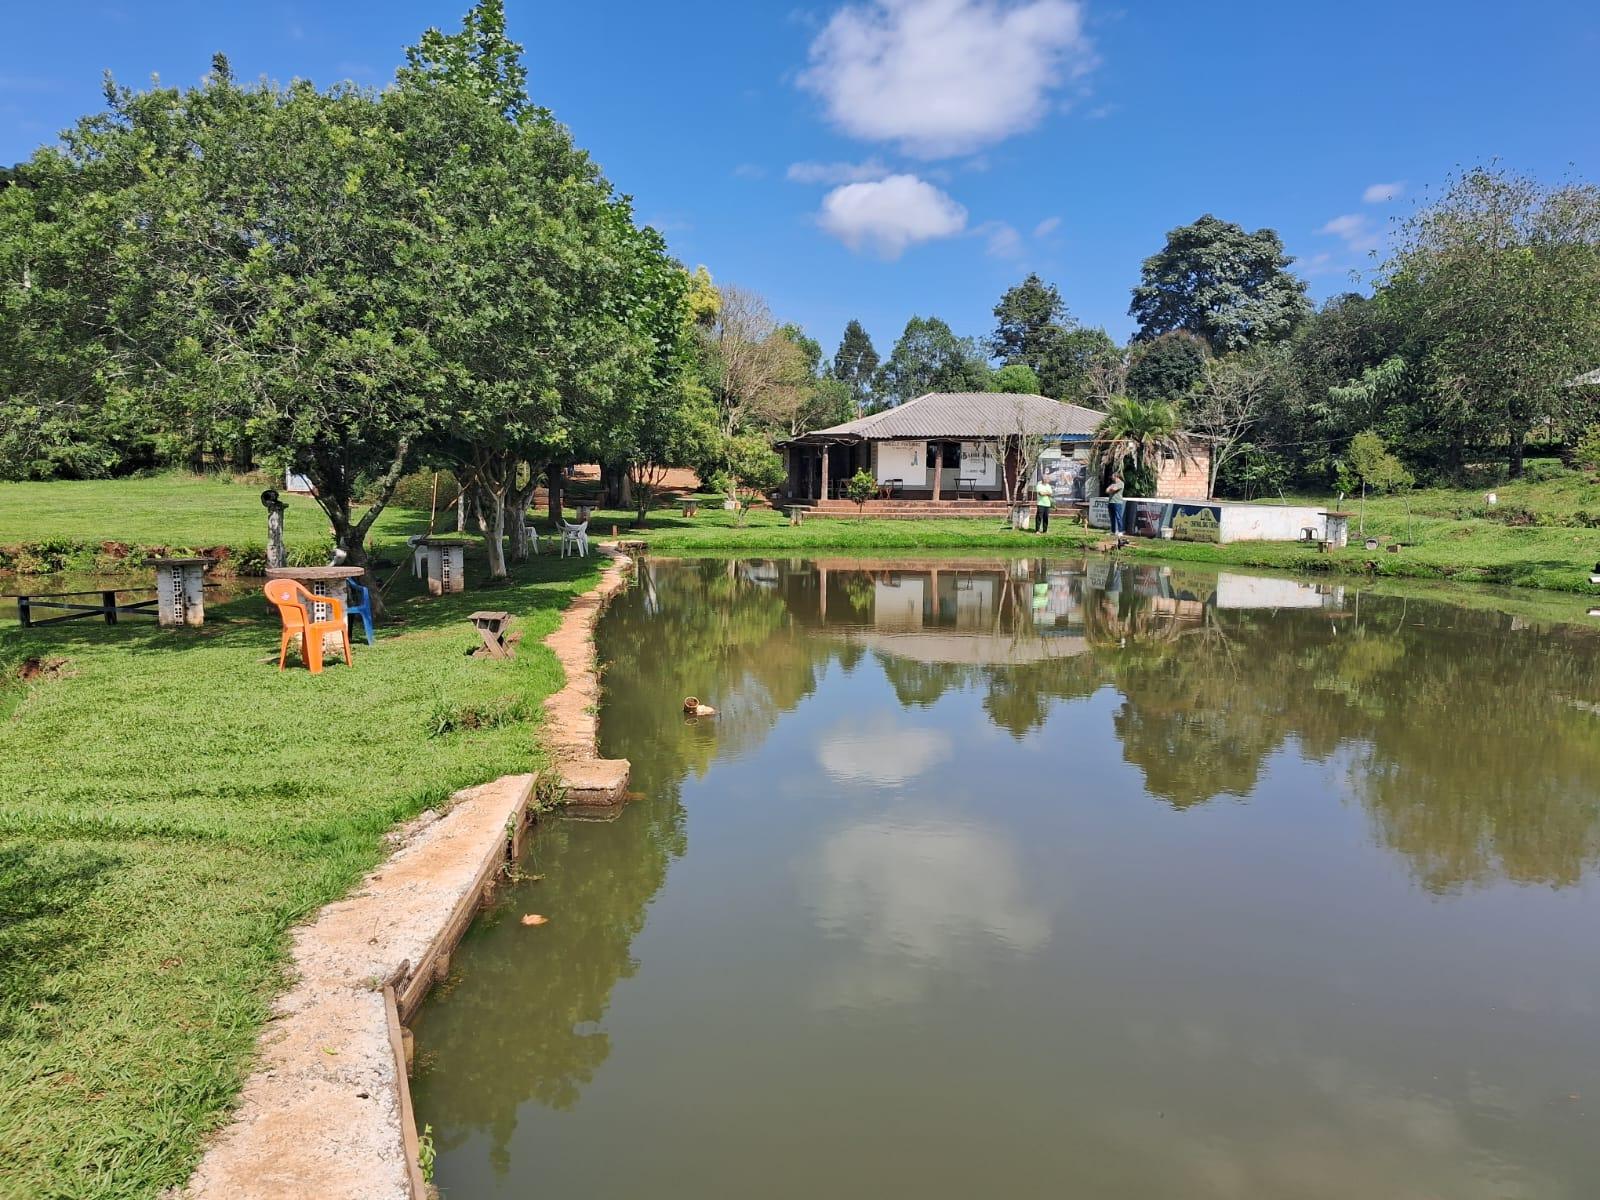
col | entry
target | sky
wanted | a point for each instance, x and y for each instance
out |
(888, 158)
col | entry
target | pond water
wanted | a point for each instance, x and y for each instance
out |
(1053, 878)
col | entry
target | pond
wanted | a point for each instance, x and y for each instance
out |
(1032, 877)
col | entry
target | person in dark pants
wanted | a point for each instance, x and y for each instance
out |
(1118, 504)
(1044, 496)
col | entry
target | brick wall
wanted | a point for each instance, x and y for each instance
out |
(1179, 480)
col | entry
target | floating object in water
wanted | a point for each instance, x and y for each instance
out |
(693, 707)
(534, 919)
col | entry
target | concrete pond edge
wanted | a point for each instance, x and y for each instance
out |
(326, 1111)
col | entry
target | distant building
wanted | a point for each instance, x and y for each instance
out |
(948, 449)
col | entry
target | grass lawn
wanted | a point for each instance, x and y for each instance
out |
(175, 508)
(1447, 534)
(169, 805)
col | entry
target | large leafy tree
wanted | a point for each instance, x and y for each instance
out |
(1034, 329)
(1167, 366)
(270, 277)
(855, 363)
(1228, 286)
(559, 316)
(1497, 289)
(929, 357)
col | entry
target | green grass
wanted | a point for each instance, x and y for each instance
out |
(174, 508)
(1449, 534)
(169, 805)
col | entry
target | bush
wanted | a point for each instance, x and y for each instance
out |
(451, 718)
(416, 490)
(1543, 471)
(1587, 455)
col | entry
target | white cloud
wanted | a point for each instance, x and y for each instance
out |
(1356, 230)
(888, 215)
(1003, 239)
(1382, 193)
(883, 751)
(945, 77)
(837, 172)
(1046, 227)
(750, 171)
(911, 901)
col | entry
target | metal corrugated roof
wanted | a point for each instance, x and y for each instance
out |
(971, 415)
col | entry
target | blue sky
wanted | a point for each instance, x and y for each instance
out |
(886, 158)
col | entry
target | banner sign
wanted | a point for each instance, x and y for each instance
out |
(1196, 523)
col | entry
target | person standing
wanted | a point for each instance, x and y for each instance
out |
(1117, 502)
(1044, 496)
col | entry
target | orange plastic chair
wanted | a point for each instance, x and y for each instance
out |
(294, 603)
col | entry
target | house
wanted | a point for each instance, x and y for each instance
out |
(948, 450)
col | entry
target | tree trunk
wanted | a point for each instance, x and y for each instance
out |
(1518, 452)
(495, 537)
(553, 482)
(276, 557)
(461, 511)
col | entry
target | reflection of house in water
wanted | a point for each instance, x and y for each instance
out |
(954, 612)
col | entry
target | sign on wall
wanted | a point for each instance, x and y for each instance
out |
(1196, 523)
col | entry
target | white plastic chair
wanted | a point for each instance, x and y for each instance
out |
(533, 539)
(575, 536)
(419, 555)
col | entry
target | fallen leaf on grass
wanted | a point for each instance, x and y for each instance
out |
(533, 919)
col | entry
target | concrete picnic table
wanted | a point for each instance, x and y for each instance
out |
(447, 564)
(320, 581)
(180, 589)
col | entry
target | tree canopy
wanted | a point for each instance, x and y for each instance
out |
(1215, 280)
(929, 357)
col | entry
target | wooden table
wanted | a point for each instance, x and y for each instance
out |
(447, 564)
(491, 627)
(321, 581)
(180, 590)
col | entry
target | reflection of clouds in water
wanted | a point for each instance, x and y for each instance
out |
(918, 899)
(1350, 1133)
(882, 751)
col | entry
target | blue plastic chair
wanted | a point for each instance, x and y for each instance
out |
(359, 605)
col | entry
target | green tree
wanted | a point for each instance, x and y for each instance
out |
(929, 357)
(1166, 367)
(855, 363)
(861, 487)
(1033, 328)
(1497, 287)
(1017, 378)
(1367, 464)
(755, 467)
(1230, 287)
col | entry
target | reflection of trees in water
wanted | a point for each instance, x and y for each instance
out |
(1463, 747)
(1470, 743)
(522, 1022)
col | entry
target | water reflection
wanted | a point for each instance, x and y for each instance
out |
(1466, 732)
(1148, 882)
(917, 899)
(883, 750)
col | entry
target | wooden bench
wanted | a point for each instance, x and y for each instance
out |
(492, 628)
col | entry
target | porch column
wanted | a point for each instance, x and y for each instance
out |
(823, 494)
(938, 469)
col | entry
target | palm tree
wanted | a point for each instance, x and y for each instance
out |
(1141, 432)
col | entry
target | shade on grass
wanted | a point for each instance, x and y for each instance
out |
(169, 805)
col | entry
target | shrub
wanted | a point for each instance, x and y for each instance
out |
(416, 490)
(451, 718)
(1587, 455)
(1543, 471)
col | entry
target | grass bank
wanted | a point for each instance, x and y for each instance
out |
(169, 806)
(108, 524)
(1543, 534)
